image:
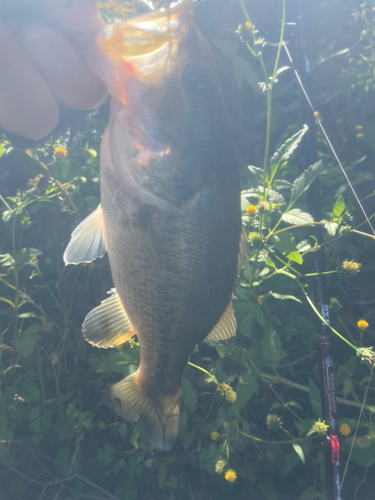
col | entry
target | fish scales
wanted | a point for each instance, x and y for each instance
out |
(170, 213)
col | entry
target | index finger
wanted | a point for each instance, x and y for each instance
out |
(73, 16)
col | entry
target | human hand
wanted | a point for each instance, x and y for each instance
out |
(40, 68)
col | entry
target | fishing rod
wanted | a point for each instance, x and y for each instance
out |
(324, 337)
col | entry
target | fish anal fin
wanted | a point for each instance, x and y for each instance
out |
(225, 328)
(156, 415)
(108, 324)
(87, 241)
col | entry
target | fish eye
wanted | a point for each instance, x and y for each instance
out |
(195, 79)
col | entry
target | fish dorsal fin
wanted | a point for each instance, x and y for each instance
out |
(108, 325)
(87, 241)
(225, 328)
(243, 251)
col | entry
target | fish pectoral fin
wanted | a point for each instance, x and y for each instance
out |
(225, 328)
(156, 415)
(87, 241)
(108, 324)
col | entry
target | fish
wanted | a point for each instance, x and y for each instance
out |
(169, 216)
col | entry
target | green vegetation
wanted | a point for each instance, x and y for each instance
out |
(59, 441)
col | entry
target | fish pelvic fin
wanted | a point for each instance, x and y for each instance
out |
(156, 415)
(225, 327)
(108, 324)
(87, 241)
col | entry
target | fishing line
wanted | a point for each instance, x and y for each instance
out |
(327, 138)
(356, 429)
(372, 229)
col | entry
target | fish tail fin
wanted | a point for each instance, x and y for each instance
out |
(156, 415)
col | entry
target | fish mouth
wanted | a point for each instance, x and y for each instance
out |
(146, 47)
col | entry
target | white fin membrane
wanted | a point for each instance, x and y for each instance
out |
(225, 328)
(108, 325)
(87, 241)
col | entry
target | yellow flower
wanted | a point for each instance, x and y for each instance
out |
(345, 430)
(259, 299)
(220, 466)
(358, 127)
(316, 113)
(60, 153)
(358, 136)
(227, 393)
(320, 427)
(350, 60)
(339, 120)
(230, 476)
(348, 268)
(273, 421)
(251, 209)
(214, 435)
(362, 324)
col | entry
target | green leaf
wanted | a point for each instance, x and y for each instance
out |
(28, 341)
(294, 403)
(297, 216)
(226, 47)
(281, 70)
(244, 72)
(122, 430)
(286, 150)
(187, 393)
(331, 227)
(267, 488)
(271, 346)
(303, 246)
(245, 392)
(28, 315)
(303, 181)
(222, 350)
(6, 216)
(134, 438)
(275, 197)
(282, 184)
(26, 254)
(299, 452)
(290, 461)
(311, 493)
(246, 324)
(339, 206)
(285, 244)
(280, 296)
(258, 315)
(315, 398)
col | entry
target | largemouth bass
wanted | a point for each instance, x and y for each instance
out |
(170, 212)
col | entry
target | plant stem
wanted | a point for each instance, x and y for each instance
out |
(289, 228)
(16, 282)
(318, 274)
(204, 371)
(363, 234)
(292, 441)
(323, 320)
(301, 387)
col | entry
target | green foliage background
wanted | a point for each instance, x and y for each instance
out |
(57, 439)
